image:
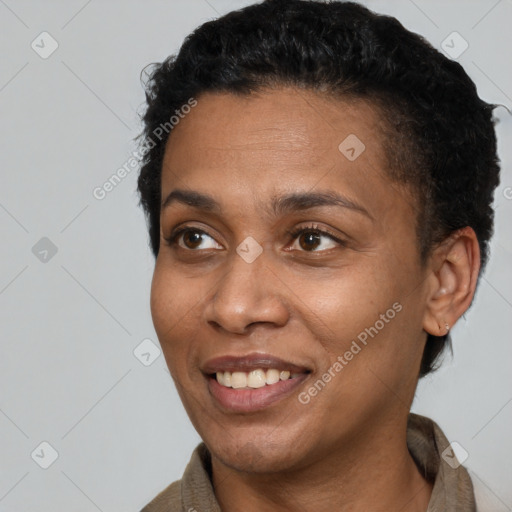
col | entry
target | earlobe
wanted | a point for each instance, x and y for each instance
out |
(455, 268)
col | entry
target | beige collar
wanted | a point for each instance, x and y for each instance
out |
(452, 490)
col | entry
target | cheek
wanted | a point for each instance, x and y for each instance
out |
(162, 302)
(351, 299)
(173, 307)
(366, 315)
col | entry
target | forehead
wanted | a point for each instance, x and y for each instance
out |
(285, 119)
(279, 140)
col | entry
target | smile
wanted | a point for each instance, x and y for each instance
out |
(254, 379)
(253, 382)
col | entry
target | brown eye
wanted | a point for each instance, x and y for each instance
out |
(192, 239)
(309, 240)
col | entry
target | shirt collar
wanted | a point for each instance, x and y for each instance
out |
(452, 488)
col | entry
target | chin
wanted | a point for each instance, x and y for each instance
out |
(255, 449)
(255, 457)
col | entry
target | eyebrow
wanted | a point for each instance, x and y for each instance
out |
(192, 198)
(279, 205)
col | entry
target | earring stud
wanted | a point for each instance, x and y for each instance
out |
(447, 326)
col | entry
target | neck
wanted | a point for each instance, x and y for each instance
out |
(375, 473)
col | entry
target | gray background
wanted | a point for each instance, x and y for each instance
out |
(70, 321)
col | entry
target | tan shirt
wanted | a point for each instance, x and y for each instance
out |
(452, 490)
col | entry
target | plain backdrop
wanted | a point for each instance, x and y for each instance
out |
(76, 270)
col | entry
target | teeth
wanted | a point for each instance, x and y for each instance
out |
(272, 376)
(238, 380)
(254, 379)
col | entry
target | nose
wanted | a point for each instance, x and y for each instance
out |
(248, 294)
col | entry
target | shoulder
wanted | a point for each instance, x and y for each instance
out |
(193, 492)
(168, 500)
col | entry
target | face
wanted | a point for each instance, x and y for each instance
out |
(288, 293)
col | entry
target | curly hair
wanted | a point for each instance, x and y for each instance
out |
(439, 135)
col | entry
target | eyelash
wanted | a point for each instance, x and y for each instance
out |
(314, 229)
(172, 239)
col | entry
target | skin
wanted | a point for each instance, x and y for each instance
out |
(301, 301)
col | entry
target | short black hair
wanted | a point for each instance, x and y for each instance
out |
(439, 136)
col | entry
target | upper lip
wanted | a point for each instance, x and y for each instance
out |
(249, 362)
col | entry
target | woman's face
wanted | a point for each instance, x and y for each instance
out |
(301, 257)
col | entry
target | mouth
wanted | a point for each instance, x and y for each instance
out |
(253, 382)
(254, 379)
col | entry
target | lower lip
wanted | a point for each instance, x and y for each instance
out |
(250, 400)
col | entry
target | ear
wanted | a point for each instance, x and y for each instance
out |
(455, 265)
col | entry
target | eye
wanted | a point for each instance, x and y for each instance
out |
(310, 238)
(191, 239)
